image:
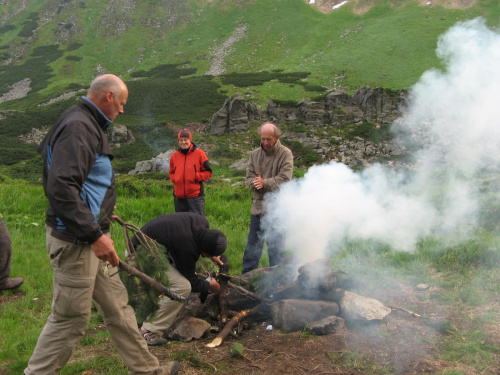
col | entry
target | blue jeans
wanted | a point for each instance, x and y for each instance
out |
(255, 244)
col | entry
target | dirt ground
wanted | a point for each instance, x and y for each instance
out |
(407, 342)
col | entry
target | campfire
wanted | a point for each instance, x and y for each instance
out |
(312, 297)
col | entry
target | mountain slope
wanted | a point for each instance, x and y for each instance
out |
(340, 48)
(182, 58)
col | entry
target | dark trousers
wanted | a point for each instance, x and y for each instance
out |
(5, 252)
(255, 244)
(196, 205)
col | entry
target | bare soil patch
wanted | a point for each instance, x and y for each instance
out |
(404, 343)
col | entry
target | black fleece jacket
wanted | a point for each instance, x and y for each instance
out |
(179, 233)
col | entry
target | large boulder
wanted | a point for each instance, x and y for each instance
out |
(160, 163)
(234, 116)
(120, 135)
(356, 308)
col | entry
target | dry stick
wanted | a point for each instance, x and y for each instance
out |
(228, 328)
(149, 280)
(247, 293)
(407, 311)
(141, 237)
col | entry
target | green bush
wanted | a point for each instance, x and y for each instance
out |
(73, 58)
(303, 156)
(226, 152)
(369, 131)
(73, 46)
(180, 100)
(6, 28)
(28, 169)
(29, 26)
(48, 53)
(164, 71)
(127, 156)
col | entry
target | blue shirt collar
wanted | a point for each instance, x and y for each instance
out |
(108, 121)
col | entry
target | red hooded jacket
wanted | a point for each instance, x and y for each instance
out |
(188, 170)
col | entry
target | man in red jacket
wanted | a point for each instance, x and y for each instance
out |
(189, 167)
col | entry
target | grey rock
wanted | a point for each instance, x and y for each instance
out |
(325, 326)
(239, 165)
(160, 163)
(292, 315)
(234, 116)
(188, 329)
(354, 307)
(120, 135)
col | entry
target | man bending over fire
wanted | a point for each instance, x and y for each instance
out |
(186, 236)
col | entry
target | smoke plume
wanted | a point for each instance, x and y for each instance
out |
(451, 126)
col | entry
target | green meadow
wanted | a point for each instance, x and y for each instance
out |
(466, 274)
(290, 52)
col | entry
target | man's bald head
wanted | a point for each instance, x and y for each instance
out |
(269, 135)
(109, 93)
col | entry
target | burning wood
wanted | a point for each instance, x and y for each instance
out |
(234, 322)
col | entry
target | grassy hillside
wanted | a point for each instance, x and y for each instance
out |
(387, 46)
(281, 49)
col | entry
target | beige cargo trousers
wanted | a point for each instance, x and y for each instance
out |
(78, 279)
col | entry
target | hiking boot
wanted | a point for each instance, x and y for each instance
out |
(152, 338)
(11, 283)
(171, 368)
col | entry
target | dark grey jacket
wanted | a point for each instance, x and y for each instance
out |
(77, 175)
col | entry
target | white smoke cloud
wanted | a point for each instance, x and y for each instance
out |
(453, 117)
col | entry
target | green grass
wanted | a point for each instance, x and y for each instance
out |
(290, 52)
(468, 272)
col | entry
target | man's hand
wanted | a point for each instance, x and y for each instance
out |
(258, 182)
(104, 249)
(214, 286)
(216, 260)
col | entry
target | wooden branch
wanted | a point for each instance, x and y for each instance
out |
(247, 293)
(155, 284)
(407, 311)
(235, 321)
(224, 291)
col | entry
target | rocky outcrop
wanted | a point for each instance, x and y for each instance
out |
(120, 135)
(234, 116)
(339, 109)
